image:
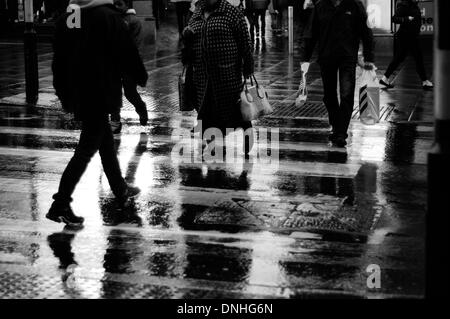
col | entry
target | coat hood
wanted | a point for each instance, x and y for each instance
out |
(84, 4)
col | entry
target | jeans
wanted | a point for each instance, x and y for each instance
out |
(95, 136)
(132, 95)
(407, 45)
(339, 113)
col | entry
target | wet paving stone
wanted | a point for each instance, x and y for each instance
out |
(306, 227)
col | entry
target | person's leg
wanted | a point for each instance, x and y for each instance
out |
(280, 20)
(110, 163)
(251, 20)
(329, 78)
(285, 19)
(416, 52)
(155, 9)
(399, 57)
(132, 95)
(256, 22)
(186, 7)
(179, 11)
(263, 22)
(91, 137)
(116, 124)
(347, 83)
(12, 10)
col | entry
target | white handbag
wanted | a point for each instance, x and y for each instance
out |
(254, 101)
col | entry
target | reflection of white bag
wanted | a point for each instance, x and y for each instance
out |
(302, 92)
(369, 98)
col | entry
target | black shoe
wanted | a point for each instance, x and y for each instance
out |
(339, 142)
(130, 192)
(62, 213)
(386, 84)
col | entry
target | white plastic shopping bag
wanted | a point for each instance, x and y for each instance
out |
(369, 98)
(302, 94)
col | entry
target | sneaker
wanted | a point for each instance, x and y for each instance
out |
(427, 85)
(385, 82)
(116, 127)
(130, 192)
(62, 213)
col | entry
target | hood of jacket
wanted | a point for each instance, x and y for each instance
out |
(85, 4)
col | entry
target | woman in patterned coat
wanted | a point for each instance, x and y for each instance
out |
(221, 55)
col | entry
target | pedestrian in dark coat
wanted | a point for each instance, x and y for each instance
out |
(408, 15)
(90, 60)
(221, 58)
(338, 27)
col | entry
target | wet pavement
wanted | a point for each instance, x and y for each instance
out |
(306, 227)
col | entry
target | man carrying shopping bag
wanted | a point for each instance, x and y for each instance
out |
(338, 26)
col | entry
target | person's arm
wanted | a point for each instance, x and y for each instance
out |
(244, 44)
(131, 62)
(366, 34)
(136, 30)
(309, 37)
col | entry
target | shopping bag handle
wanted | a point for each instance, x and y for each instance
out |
(253, 78)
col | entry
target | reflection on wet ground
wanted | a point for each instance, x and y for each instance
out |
(306, 227)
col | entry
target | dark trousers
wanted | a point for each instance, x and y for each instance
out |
(339, 113)
(95, 136)
(405, 45)
(254, 22)
(132, 95)
(182, 9)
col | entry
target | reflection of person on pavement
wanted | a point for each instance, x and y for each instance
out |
(128, 213)
(409, 16)
(61, 245)
(213, 178)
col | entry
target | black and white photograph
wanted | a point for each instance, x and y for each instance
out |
(241, 151)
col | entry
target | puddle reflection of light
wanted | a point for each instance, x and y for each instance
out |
(266, 255)
(369, 148)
